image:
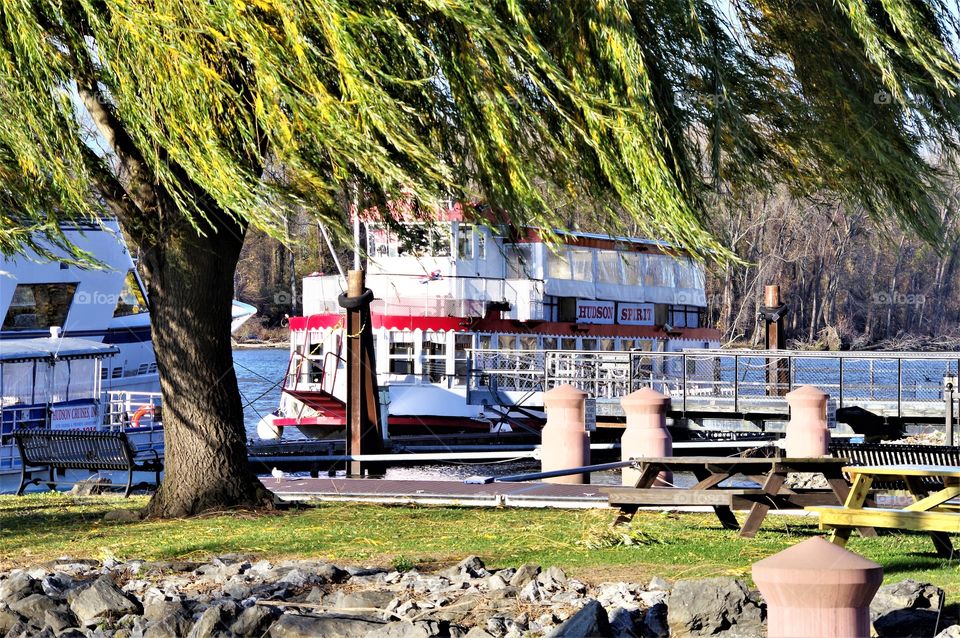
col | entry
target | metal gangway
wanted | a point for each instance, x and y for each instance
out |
(906, 387)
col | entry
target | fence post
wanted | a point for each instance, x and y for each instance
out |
(646, 434)
(807, 433)
(816, 589)
(564, 440)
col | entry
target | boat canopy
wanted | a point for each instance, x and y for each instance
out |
(54, 348)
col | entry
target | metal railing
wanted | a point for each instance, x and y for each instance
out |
(895, 384)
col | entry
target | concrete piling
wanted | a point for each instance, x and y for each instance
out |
(646, 434)
(807, 432)
(565, 443)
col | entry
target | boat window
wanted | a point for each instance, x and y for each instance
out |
(483, 342)
(661, 267)
(633, 267)
(568, 343)
(549, 343)
(558, 264)
(481, 243)
(132, 301)
(589, 344)
(606, 344)
(626, 344)
(687, 272)
(608, 266)
(434, 356)
(381, 242)
(425, 240)
(507, 342)
(582, 261)
(528, 342)
(461, 343)
(518, 261)
(401, 353)
(465, 241)
(40, 306)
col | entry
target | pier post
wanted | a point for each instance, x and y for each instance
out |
(817, 589)
(363, 410)
(773, 313)
(646, 434)
(565, 443)
(807, 432)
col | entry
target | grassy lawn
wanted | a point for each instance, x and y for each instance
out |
(39, 527)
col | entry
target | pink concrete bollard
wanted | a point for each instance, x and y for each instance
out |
(646, 434)
(816, 589)
(564, 440)
(807, 433)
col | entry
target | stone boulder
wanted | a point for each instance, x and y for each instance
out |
(100, 599)
(328, 626)
(591, 620)
(705, 607)
(907, 608)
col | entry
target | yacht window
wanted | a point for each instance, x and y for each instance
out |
(461, 343)
(132, 301)
(589, 344)
(381, 242)
(434, 356)
(40, 306)
(528, 343)
(507, 342)
(401, 353)
(483, 342)
(465, 241)
(481, 243)
(686, 273)
(608, 267)
(582, 261)
(606, 344)
(549, 343)
(425, 240)
(558, 264)
(568, 343)
(518, 261)
(661, 268)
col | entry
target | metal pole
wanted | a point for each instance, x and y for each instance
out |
(948, 397)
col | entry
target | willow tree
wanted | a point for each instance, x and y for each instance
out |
(194, 121)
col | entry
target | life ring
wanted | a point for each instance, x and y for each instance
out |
(143, 409)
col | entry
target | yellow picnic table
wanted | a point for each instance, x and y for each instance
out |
(930, 511)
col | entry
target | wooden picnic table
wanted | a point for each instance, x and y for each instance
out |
(712, 471)
(930, 512)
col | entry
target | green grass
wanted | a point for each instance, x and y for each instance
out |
(43, 526)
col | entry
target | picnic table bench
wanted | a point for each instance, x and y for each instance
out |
(769, 472)
(81, 450)
(930, 512)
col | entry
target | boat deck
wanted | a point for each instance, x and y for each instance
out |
(456, 493)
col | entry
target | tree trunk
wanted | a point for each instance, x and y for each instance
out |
(189, 279)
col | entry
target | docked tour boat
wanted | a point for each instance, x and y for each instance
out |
(57, 383)
(449, 287)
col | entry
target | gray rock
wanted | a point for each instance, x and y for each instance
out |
(403, 630)
(553, 579)
(469, 567)
(907, 594)
(658, 584)
(59, 620)
(33, 607)
(524, 574)
(496, 582)
(16, 586)
(655, 622)
(7, 619)
(591, 620)
(624, 623)
(172, 626)
(101, 599)
(532, 592)
(56, 584)
(328, 626)
(907, 623)
(213, 620)
(18, 630)
(253, 621)
(155, 608)
(478, 632)
(704, 607)
(953, 631)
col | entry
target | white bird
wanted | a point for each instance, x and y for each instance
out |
(277, 474)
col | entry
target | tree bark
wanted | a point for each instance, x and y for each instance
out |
(189, 279)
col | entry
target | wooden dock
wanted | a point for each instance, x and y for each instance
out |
(449, 493)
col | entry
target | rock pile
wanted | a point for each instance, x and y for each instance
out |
(240, 596)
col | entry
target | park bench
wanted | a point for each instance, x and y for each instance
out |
(879, 454)
(81, 450)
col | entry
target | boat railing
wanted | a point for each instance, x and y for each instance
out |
(735, 381)
(139, 414)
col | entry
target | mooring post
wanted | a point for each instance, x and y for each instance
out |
(773, 313)
(646, 434)
(816, 589)
(949, 390)
(807, 431)
(363, 411)
(565, 442)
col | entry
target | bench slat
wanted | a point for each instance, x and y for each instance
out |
(888, 518)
